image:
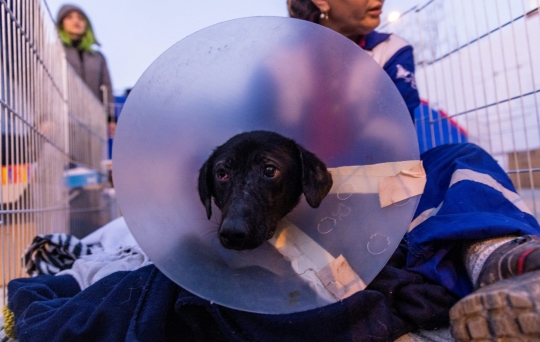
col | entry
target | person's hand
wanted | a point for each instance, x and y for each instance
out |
(111, 129)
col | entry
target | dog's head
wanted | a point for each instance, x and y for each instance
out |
(257, 178)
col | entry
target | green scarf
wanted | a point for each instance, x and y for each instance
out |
(87, 39)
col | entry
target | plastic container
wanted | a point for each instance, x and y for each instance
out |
(285, 75)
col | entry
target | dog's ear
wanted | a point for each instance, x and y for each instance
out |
(316, 180)
(204, 186)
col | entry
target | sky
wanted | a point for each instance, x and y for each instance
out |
(133, 33)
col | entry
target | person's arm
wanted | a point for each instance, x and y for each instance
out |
(400, 68)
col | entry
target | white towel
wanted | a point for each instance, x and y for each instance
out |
(113, 249)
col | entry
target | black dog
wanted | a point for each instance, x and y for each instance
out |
(256, 178)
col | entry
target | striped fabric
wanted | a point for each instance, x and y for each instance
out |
(50, 254)
(481, 178)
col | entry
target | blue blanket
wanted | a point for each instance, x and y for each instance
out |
(470, 197)
(467, 197)
(144, 305)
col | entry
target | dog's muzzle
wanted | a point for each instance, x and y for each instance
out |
(234, 234)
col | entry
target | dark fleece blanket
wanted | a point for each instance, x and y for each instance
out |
(467, 193)
(144, 305)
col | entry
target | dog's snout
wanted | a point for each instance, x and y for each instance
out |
(233, 234)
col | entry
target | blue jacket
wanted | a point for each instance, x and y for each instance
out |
(395, 56)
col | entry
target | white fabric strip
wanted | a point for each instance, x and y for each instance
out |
(466, 174)
(385, 50)
(471, 175)
(424, 216)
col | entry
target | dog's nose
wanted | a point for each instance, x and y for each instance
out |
(233, 234)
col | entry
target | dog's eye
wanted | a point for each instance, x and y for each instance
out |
(222, 175)
(270, 171)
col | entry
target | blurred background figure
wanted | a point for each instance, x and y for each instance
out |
(357, 20)
(78, 38)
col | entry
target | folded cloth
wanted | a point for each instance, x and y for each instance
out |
(109, 249)
(111, 238)
(113, 249)
(144, 305)
(91, 268)
(49, 254)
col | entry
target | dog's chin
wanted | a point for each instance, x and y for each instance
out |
(239, 236)
(243, 246)
(247, 244)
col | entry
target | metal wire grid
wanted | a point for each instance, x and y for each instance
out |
(49, 119)
(87, 124)
(477, 61)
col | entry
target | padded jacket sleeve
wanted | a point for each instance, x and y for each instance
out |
(400, 68)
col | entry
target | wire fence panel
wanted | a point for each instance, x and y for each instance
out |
(477, 66)
(50, 121)
(87, 130)
(88, 148)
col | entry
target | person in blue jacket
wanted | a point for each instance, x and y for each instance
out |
(483, 258)
(357, 20)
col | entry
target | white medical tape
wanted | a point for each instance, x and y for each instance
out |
(393, 181)
(404, 185)
(332, 279)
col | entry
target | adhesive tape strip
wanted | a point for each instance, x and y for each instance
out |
(394, 181)
(333, 278)
(406, 184)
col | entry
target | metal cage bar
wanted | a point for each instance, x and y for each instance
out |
(475, 66)
(50, 121)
